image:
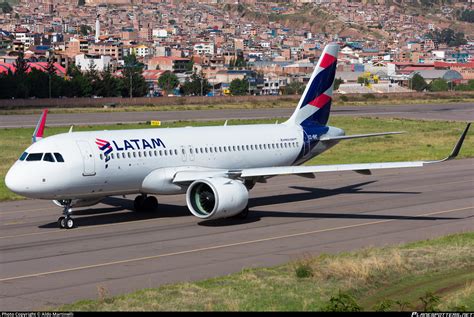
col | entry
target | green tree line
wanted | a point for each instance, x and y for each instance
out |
(34, 83)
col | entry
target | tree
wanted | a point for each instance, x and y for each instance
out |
(133, 83)
(85, 29)
(21, 69)
(108, 85)
(239, 87)
(438, 85)
(197, 85)
(168, 81)
(21, 65)
(189, 65)
(417, 82)
(294, 88)
(448, 36)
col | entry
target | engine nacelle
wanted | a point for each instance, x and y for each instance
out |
(79, 202)
(214, 198)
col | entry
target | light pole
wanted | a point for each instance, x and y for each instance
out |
(131, 76)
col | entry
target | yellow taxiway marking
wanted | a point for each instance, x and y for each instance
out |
(152, 257)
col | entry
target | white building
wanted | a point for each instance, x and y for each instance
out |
(160, 33)
(204, 48)
(85, 62)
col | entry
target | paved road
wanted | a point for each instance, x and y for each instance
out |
(452, 111)
(123, 251)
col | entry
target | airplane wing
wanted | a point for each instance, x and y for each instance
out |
(358, 136)
(364, 168)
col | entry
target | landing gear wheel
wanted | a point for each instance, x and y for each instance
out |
(62, 222)
(69, 223)
(138, 203)
(150, 203)
(65, 221)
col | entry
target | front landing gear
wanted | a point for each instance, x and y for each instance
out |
(145, 203)
(66, 222)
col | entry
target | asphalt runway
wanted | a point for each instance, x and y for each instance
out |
(448, 111)
(116, 248)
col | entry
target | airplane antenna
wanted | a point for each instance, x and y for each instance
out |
(225, 123)
(70, 129)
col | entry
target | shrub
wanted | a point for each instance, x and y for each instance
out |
(342, 302)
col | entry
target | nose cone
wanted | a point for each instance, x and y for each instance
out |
(15, 181)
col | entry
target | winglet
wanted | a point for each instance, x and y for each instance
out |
(39, 130)
(456, 148)
(458, 145)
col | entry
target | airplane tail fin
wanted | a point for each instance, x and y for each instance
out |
(315, 103)
(39, 130)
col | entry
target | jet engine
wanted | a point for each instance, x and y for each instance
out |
(214, 198)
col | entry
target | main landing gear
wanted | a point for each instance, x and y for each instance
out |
(66, 222)
(145, 203)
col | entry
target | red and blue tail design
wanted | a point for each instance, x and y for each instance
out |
(315, 103)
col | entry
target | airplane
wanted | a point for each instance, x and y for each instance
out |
(214, 166)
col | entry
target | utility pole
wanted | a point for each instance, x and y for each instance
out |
(131, 89)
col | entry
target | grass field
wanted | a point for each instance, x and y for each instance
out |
(282, 103)
(428, 275)
(424, 141)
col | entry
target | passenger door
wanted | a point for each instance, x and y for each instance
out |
(87, 158)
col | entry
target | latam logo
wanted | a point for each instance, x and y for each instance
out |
(105, 147)
(132, 144)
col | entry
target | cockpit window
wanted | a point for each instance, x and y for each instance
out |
(58, 157)
(48, 157)
(23, 156)
(34, 157)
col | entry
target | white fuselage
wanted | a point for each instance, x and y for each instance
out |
(86, 173)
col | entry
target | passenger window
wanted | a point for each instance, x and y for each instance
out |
(48, 157)
(59, 157)
(210, 149)
(134, 154)
(166, 152)
(176, 152)
(129, 155)
(233, 148)
(161, 152)
(184, 151)
(101, 157)
(144, 153)
(23, 156)
(155, 153)
(191, 150)
(34, 157)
